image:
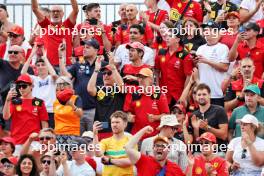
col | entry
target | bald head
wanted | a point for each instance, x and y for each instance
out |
(131, 12)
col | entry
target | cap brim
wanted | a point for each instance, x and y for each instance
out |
(84, 7)
(172, 125)
(248, 90)
(5, 160)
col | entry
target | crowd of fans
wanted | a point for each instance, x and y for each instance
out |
(156, 93)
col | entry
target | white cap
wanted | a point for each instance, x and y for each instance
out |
(168, 120)
(248, 118)
(88, 134)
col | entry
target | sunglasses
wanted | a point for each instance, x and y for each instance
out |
(23, 86)
(13, 35)
(13, 52)
(45, 138)
(8, 165)
(108, 73)
(62, 84)
(45, 161)
(174, 128)
(162, 146)
(243, 155)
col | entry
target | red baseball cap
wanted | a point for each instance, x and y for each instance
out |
(18, 30)
(12, 160)
(24, 78)
(234, 13)
(39, 41)
(136, 45)
(8, 140)
(208, 136)
(64, 95)
(180, 107)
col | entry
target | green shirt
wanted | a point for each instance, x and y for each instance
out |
(239, 112)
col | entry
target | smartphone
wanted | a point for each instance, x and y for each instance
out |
(241, 29)
(105, 125)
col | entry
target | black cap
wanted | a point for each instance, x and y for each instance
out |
(211, 24)
(92, 42)
(3, 6)
(253, 26)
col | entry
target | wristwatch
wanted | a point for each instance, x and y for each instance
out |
(240, 98)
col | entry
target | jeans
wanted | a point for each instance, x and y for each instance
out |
(87, 120)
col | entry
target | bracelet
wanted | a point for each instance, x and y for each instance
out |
(96, 71)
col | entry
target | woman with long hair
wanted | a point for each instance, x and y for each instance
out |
(26, 166)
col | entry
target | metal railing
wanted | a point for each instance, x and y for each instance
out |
(21, 13)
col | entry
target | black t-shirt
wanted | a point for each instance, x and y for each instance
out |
(215, 116)
(215, 7)
(194, 43)
(8, 75)
(82, 73)
(107, 103)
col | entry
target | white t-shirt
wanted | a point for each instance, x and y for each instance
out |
(250, 5)
(122, 56)
(246, 164)
(45, 89)
(209, 75)
(83, 170)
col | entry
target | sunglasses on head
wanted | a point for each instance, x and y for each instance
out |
(23, 86)
(108, 73)
(13, 52)
(45, 161)
(45, 138)
(8, 165)
(243, 155)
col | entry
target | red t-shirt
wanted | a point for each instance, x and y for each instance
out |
(122, 35)
(129, 69)
(261, 25)
(142, 105)
(26, 118)
(2, 50)
(177, 6)
(256, 54)
(228, 39)
(148, 166)
(157, 18)
(52, 41)
(174, 70)
(218, 163)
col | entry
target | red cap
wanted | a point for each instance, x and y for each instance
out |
(24, 78)
(18, 30)
(208, 136)
(91, 162)
(11, 159)
(180, 107)
(64, 95)
(39, 41)
(78, 51)
(234, 13)
(136, 45)
(8, 140)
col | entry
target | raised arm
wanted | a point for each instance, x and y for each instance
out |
(36, 10)
(51, 70)
(246, 15)
(91, 86)
(27, 63)
(75, 11)
(62, 58)
(132, 153)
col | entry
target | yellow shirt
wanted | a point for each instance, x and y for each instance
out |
(115, 150)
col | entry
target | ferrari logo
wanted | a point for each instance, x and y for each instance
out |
(179, 5)
(180, 55)
(19, 108)
(138, 103)
(215, 165)
(163, 59)
(100, 95)
(155, 95)
(191, 6)
(198, 170)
